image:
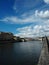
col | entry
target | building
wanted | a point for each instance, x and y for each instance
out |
(6, 36)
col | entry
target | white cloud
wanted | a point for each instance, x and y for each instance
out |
(38, 16)
(46, 1)
(33, 31)
(42, 17)
(25, 31)
(42, 14)
(14, 19)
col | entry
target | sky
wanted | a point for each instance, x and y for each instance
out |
(25, 18)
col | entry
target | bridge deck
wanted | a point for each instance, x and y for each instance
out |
(44, 57)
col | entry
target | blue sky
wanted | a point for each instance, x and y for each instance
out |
(26, 18)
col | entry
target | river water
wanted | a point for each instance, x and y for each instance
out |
(22, 53)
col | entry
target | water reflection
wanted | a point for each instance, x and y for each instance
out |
(24, 53)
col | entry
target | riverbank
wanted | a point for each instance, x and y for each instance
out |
(44, 56)
(9, 37)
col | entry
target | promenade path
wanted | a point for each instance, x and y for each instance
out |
(44, 56)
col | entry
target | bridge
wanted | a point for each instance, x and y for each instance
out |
(44, 56)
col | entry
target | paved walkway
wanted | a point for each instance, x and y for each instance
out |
(44, 57)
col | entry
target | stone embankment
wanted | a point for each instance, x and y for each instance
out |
(44, 56)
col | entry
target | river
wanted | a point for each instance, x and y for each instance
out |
(22, 53)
